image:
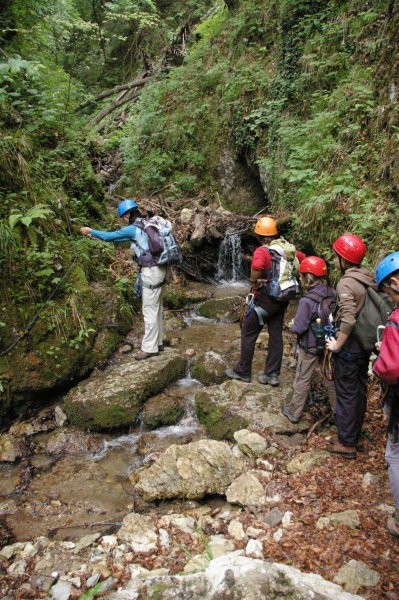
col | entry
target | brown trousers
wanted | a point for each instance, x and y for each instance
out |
(306, 365)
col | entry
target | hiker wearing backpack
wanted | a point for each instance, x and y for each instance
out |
(152, 275)
(314, 312)
(350, 359)
(273, 280)
(386, 367)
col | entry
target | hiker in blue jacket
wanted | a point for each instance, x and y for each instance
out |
(313, 273)
(153, 276)
(350, 360)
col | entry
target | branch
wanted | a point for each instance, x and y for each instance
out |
(118, 88)
(110, 108)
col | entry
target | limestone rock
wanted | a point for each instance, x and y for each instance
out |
(246, 490)
(139, 532)
(191, 471)
(250, 442)
(306, 461)
(356, 574)
(251, 579)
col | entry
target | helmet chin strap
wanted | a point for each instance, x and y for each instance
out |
(341, 268)
(389, 287)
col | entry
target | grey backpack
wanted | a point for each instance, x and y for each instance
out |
(374, 314)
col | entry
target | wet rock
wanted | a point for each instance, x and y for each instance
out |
(162, 410)
(139, 532)
(158, 442)
(227, 310)
(306, 461)
(114, 398)
(190, 471)
(72, 441)
(240, 577)
(209, 368)
(11, 448)
(355, 575)
(8, 507)
(60, 417)
(246, 490)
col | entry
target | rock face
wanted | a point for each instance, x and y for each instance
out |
(114, 399)
(190, 471)
(43, 361)
(241, 578)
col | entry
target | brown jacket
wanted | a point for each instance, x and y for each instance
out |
(351, 290)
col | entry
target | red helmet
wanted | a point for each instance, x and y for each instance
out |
(314, 265)
(350, 247)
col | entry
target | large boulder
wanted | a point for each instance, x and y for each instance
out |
(237, 577)
(114, 398)
(190, 471)
(233, 405)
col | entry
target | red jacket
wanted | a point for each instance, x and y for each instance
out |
(386, 366)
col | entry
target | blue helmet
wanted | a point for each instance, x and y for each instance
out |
(126, 205)
(387, 267)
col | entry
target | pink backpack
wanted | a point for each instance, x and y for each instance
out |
(386, 366)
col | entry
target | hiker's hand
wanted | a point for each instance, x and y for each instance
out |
(378, 346)
(86, 231)
(331, 344)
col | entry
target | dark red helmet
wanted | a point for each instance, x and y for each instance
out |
(314, 265)
(350, 247)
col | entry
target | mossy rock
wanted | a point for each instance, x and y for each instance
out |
(114, 398)
(217, 420)
(227, 310)
(162, 411)
(209, 368)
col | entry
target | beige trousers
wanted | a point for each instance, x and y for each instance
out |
(152, 308)
(306, 365)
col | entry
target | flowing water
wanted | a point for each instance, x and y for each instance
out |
(75, 494)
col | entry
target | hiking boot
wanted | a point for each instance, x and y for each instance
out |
(393, 524)
(286, 412)
(348, 452)
(231, 374)
(143, 355)
(271, 379)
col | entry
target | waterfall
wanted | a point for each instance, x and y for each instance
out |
(228, 267)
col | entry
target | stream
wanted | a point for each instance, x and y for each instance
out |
(71, 495)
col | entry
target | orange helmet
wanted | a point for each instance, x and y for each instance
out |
(266, 226)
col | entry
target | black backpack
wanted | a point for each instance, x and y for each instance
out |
(326, 306)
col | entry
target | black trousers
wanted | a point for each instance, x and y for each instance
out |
(250, 331)
(350, 380)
